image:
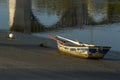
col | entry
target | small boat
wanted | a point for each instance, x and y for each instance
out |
(79, 49)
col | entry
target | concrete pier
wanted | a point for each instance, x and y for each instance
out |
(20, 15)
(75, 13)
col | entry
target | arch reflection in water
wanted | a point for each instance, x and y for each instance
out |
(47, 19)
(49, 12)
(98, 10)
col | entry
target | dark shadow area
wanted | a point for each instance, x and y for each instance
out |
(26, 74)
(111, 59)
(113, 56)
(22, 16)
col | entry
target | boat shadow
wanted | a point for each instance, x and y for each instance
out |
(109, 57)
(112, 56)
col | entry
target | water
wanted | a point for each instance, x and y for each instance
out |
(48, 15)
(98, 35)
(4, 17)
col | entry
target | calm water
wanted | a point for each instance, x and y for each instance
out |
(48, 15)
(4, 17)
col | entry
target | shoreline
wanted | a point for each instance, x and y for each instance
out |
(22, 58)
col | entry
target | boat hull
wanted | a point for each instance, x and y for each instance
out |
(96, 52)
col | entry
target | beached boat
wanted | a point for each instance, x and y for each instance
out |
(79, 49)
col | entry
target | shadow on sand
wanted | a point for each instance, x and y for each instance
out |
(26, 74)
(113, 56)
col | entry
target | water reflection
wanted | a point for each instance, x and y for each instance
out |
(97, 10)
(104, 35)
(48, 12)
(4, 20)
(47, 19)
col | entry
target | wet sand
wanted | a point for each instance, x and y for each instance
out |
(23, 59)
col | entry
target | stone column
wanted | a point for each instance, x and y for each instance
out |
(78, 5)
(12, 5)
(79, 12)
(97, 11)
(20, 15)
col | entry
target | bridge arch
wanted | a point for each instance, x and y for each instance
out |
(23, 20)
(20, 15)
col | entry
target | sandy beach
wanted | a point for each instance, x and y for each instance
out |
(23, 59)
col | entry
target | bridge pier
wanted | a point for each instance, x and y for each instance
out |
(97, 11)
(20, 15)
(80, 11)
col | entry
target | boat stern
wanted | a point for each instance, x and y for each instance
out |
(98, 52)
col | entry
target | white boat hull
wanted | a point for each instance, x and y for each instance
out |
(82, 51)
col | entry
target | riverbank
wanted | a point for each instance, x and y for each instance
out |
(23, 59)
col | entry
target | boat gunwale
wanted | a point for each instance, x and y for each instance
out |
(83, 46)
(89, 55)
